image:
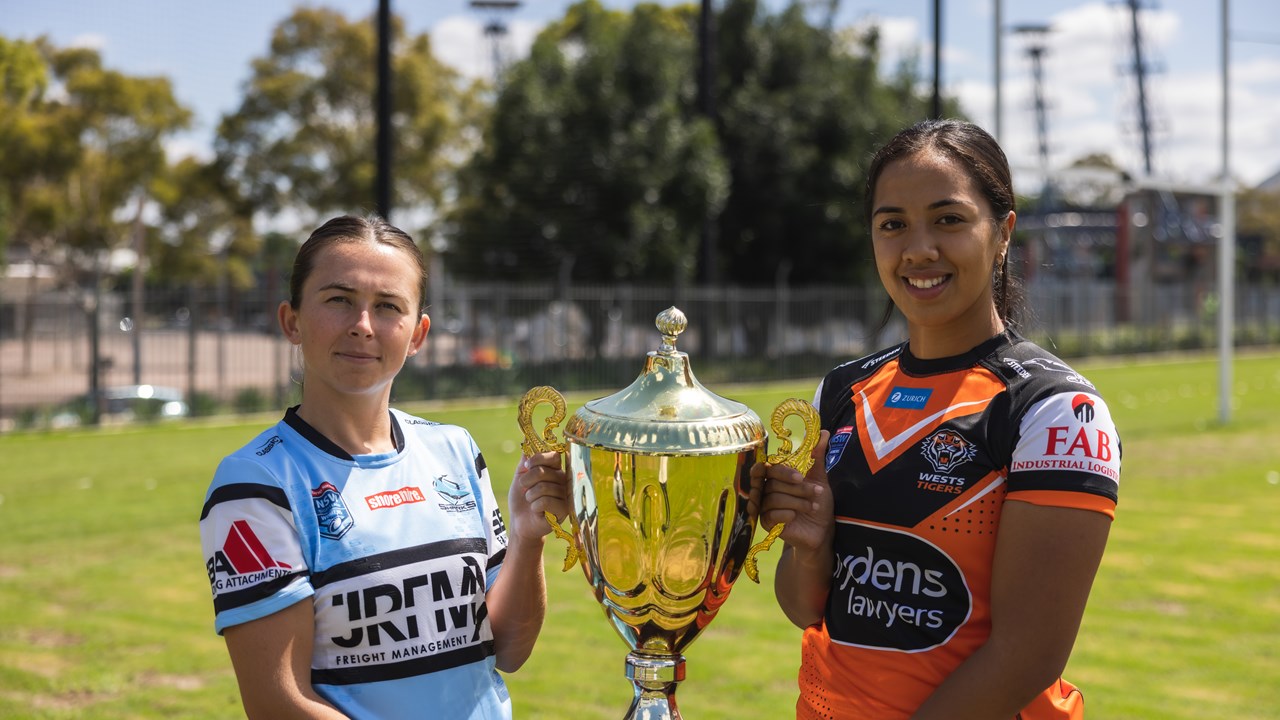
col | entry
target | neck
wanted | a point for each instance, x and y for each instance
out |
(360, 425)
(928, 343)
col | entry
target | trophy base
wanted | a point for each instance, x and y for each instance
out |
(655, 678)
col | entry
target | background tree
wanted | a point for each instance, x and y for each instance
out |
(595, 162)
(302, 140)
(75, 159)
(800, 111)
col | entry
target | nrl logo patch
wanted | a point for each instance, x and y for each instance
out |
(947, 450)
(332, 515)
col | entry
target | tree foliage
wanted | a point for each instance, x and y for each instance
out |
(74, 158)
(303, 137)
(594, 159)
(597, 158)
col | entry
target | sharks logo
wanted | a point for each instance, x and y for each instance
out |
(456, 495)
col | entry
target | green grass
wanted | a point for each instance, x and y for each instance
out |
(105, 612)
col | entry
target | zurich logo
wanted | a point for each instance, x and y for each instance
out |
(908, 398)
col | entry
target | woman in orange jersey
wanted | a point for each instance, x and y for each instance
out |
(939, 560)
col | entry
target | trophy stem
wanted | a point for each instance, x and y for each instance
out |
(655, 678)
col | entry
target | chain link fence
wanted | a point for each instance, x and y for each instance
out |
(223, 352)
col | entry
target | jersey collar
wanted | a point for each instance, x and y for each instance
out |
(315, 437)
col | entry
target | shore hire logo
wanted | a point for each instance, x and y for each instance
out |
(243, 559)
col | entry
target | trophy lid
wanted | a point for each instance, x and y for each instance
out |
(666, 411)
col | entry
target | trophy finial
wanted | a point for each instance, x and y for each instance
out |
(671, 322)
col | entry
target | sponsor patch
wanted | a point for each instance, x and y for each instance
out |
(1082, 407)
(243, 560)
(907, 398)
(894, 591)
(332, 515)
(394, 498)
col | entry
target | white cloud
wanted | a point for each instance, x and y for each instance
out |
(459, 41)
(92, 41)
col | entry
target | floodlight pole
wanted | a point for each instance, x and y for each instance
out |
(1227, 243)
(382, 181)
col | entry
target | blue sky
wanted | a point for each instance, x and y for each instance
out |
(206, 47)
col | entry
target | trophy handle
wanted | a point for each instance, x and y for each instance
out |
(535, 443)
(801, 459)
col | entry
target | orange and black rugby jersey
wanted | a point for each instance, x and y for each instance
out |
(923, 455)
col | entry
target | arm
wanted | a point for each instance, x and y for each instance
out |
(1044, 565)
(805, 504)
(272, 660)
(518, 599)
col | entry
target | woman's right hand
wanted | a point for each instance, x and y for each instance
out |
(803, 502)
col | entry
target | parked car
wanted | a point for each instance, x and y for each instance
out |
(126, 403)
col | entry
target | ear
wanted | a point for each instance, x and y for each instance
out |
(288, 318)
(1007, 228)
(419, 335)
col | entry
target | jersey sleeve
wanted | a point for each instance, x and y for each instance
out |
(251, 547)
(1067, 454)
(495, 527)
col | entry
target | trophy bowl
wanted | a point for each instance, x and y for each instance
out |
(662, 516)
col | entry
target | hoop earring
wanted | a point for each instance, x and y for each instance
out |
(298, 362)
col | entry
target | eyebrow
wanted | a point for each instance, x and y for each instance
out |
(932, 206)
(347, 288)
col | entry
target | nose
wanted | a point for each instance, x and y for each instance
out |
(919, 246)
(363, 326)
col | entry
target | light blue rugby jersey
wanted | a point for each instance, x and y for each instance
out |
(394, 550)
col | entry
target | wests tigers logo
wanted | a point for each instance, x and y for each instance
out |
(947, 450)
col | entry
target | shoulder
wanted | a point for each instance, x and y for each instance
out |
(424, 428)
(1034, 373)
(863, 367)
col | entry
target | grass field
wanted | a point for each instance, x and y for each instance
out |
(105, 612)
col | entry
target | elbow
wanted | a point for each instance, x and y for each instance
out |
(510, 662)
(1029, 675)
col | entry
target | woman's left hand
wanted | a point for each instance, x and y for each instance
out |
(540, 485)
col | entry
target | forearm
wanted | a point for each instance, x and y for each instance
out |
(518, 603)
(803, 582)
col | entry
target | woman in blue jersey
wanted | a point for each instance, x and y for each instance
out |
(939, 556)
(359, 563)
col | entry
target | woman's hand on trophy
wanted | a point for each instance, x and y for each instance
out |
(540, 486)
(803, 502)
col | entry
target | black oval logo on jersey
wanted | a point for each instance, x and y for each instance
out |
(894, 591)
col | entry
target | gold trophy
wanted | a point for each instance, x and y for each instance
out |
(660, 482)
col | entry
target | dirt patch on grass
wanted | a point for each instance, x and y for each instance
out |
(176, 682)
(69, 700)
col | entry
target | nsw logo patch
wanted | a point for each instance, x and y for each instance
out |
(332, 514)
(835, 448)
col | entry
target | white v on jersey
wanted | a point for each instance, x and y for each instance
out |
(395, 552)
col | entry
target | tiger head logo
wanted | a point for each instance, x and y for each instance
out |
(947, 449)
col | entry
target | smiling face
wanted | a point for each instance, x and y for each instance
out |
(356, 320)
(936, 246)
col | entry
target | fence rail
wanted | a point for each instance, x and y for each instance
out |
(226, 354)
